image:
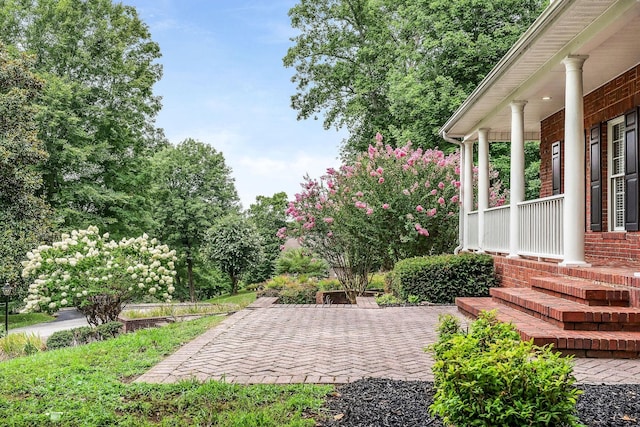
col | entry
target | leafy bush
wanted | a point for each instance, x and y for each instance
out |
(299, 261)
(329, 285)
(440, 279)
(83, 335)
(109, 330)
(60, 339)
(387, 299)
(377, 281)
(291, 290)
(297, 290)
(97, 275)
(489, 377)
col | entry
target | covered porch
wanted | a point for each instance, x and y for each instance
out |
(537, 92)
(568, 262)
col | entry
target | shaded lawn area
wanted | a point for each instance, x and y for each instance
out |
(243, 299)
(91, 385)
(27, 319)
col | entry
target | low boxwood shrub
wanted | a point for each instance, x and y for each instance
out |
(440, 279)
(109, 330)
(60, 339)
(489, 377)
(83, 335)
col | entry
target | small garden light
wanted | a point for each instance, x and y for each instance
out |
(6, 291)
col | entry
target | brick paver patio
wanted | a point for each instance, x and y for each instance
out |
(331, 344)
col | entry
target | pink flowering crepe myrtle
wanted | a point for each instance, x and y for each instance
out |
(393, 201)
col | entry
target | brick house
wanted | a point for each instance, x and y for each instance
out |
(568, 260)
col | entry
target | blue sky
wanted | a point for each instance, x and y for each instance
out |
(224, 84)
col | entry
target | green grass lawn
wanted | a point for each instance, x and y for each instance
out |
(22, 320)
(241, 298)
(91, 386)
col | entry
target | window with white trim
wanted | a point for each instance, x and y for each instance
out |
(615, 132)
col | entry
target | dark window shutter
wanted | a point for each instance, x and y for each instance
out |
(631, 199)
(556, 170)
(596, 178)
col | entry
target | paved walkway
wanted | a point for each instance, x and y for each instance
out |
(331, 344)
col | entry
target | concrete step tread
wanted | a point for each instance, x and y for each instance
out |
(581, 288)
(544, 333)
(564, 310)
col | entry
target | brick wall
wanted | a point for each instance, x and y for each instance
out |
(551, 130)
(607, 102)
(613, 246)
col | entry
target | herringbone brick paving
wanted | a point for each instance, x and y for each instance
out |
(331, 344)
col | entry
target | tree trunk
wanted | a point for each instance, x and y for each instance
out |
(192, 289)
(234, 285)
(101, 309)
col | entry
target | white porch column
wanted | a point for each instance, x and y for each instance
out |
(483, 183)
(517, 174)
(574, 168)
(467, 186)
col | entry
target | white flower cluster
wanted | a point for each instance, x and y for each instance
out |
(84, 264)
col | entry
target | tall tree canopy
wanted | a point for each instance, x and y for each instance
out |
(191, 188)
(399, 67)
(268, 216)
(98, 109)
(234, 245)
(23, 213)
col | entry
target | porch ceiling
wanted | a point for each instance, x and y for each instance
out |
(606, 30)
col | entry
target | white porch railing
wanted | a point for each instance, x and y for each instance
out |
(496, 235)
(540, 234)
(472, 230)
(541, 227)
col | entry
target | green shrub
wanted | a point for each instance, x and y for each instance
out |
(296, 290)
(329, 285)
(301, 293)
(60, 339)
(386, 299)
(489, 377)
(377, 281)
(298, 261)
(109, 330)
(440, 279)
(83, 335)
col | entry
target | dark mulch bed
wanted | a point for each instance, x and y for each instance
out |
(380, 402)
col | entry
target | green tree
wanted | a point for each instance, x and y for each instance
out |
(342, 57)
(268, 216)
(234, 245)
(500, 158)
(98, 109)
(191, 187)
(399, 67)
(24, 215)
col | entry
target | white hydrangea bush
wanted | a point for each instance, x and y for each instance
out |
(85, 265)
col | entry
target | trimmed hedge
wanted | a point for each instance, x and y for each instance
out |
(83, 335)
(440, 279)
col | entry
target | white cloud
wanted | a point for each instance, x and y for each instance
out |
(267, 175)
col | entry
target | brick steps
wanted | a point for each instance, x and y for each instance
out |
(589, 312)
(566, 314)
(603, 344)
(581, 291)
